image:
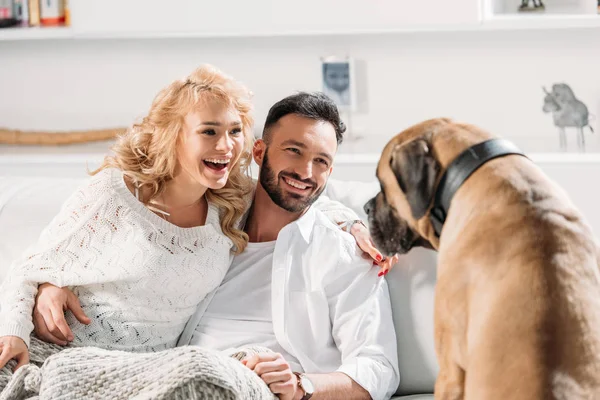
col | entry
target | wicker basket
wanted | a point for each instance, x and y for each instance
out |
(13, 136)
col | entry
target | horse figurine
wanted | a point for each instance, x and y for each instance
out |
(567, 112)
(537, 5)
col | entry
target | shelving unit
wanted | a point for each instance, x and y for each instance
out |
(557, 14)
(465, 15)
(36, 33)
(531, 22)
(93, 21)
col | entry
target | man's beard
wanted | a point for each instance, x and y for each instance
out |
(291, 202)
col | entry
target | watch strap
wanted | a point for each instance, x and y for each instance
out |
(306, 396)
(345, 226)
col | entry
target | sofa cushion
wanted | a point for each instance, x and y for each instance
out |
(411, 283)
(27, 205)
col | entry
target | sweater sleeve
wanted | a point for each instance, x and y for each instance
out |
(334, 210)
(51, 258)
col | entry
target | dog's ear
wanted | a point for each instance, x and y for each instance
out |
(416, 171)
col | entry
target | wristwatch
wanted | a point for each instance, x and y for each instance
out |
(306, 385)
(346, 226)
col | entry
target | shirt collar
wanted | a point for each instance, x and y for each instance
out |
(306, 223)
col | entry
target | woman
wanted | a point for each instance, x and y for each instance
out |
(150, 234)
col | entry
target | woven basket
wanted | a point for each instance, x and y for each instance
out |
(13, 136)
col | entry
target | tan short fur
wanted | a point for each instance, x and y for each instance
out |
(517, 301)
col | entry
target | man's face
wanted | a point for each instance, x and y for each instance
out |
(296, 164)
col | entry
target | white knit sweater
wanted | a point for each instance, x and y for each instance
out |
(138, 277)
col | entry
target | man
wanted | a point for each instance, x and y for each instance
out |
(301, 288)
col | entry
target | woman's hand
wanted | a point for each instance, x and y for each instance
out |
(49, 314)
(363, 239)
(13, 347)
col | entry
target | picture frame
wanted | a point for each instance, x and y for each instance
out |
(338, 81)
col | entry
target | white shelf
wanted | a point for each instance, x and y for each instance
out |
(496, 22)
(36, 33)
(14, 34)
(541, 21)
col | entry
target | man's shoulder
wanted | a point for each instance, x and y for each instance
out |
(325, 225)
(347, 263)
(328, 233)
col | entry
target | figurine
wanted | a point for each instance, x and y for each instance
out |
(567, 112)
(537, 5)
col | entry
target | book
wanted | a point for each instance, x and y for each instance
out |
(52, 12)
(34, 12)
(22, 12)
(7, 14)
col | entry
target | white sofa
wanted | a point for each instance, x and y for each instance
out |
(27, 204)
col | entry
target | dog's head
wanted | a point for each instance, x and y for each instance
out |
(408, 172)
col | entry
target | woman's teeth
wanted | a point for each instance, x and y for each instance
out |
(216, 164)
(296, 185)
(215, 161)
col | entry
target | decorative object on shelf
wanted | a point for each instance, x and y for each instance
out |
(52, 12)
(567, 112)
(7, 14)
(338, 82)
(67, 13)
(13, 136)
(337, 75)
(34, 12)
(537, 5)
(22, 12)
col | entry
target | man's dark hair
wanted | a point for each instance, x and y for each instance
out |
(317, 106)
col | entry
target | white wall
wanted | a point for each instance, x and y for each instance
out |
(489, 78)
(266, 17)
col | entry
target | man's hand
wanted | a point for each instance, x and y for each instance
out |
(49, 321)
(13, 347)
(363, 239)
(275, 372)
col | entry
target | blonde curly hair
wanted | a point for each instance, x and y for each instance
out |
(147, 154)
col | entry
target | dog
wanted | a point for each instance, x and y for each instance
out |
(517, 299)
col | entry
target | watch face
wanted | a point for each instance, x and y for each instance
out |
(307, 385)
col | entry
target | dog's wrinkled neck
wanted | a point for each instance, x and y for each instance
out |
(429, 239)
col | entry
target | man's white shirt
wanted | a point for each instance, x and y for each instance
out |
(330, 311)
(240, 313)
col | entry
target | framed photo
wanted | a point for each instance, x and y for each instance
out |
(338, 81)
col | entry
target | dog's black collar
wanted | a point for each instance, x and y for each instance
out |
(460, 169)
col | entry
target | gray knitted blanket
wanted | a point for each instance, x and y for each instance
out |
(87, 372)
